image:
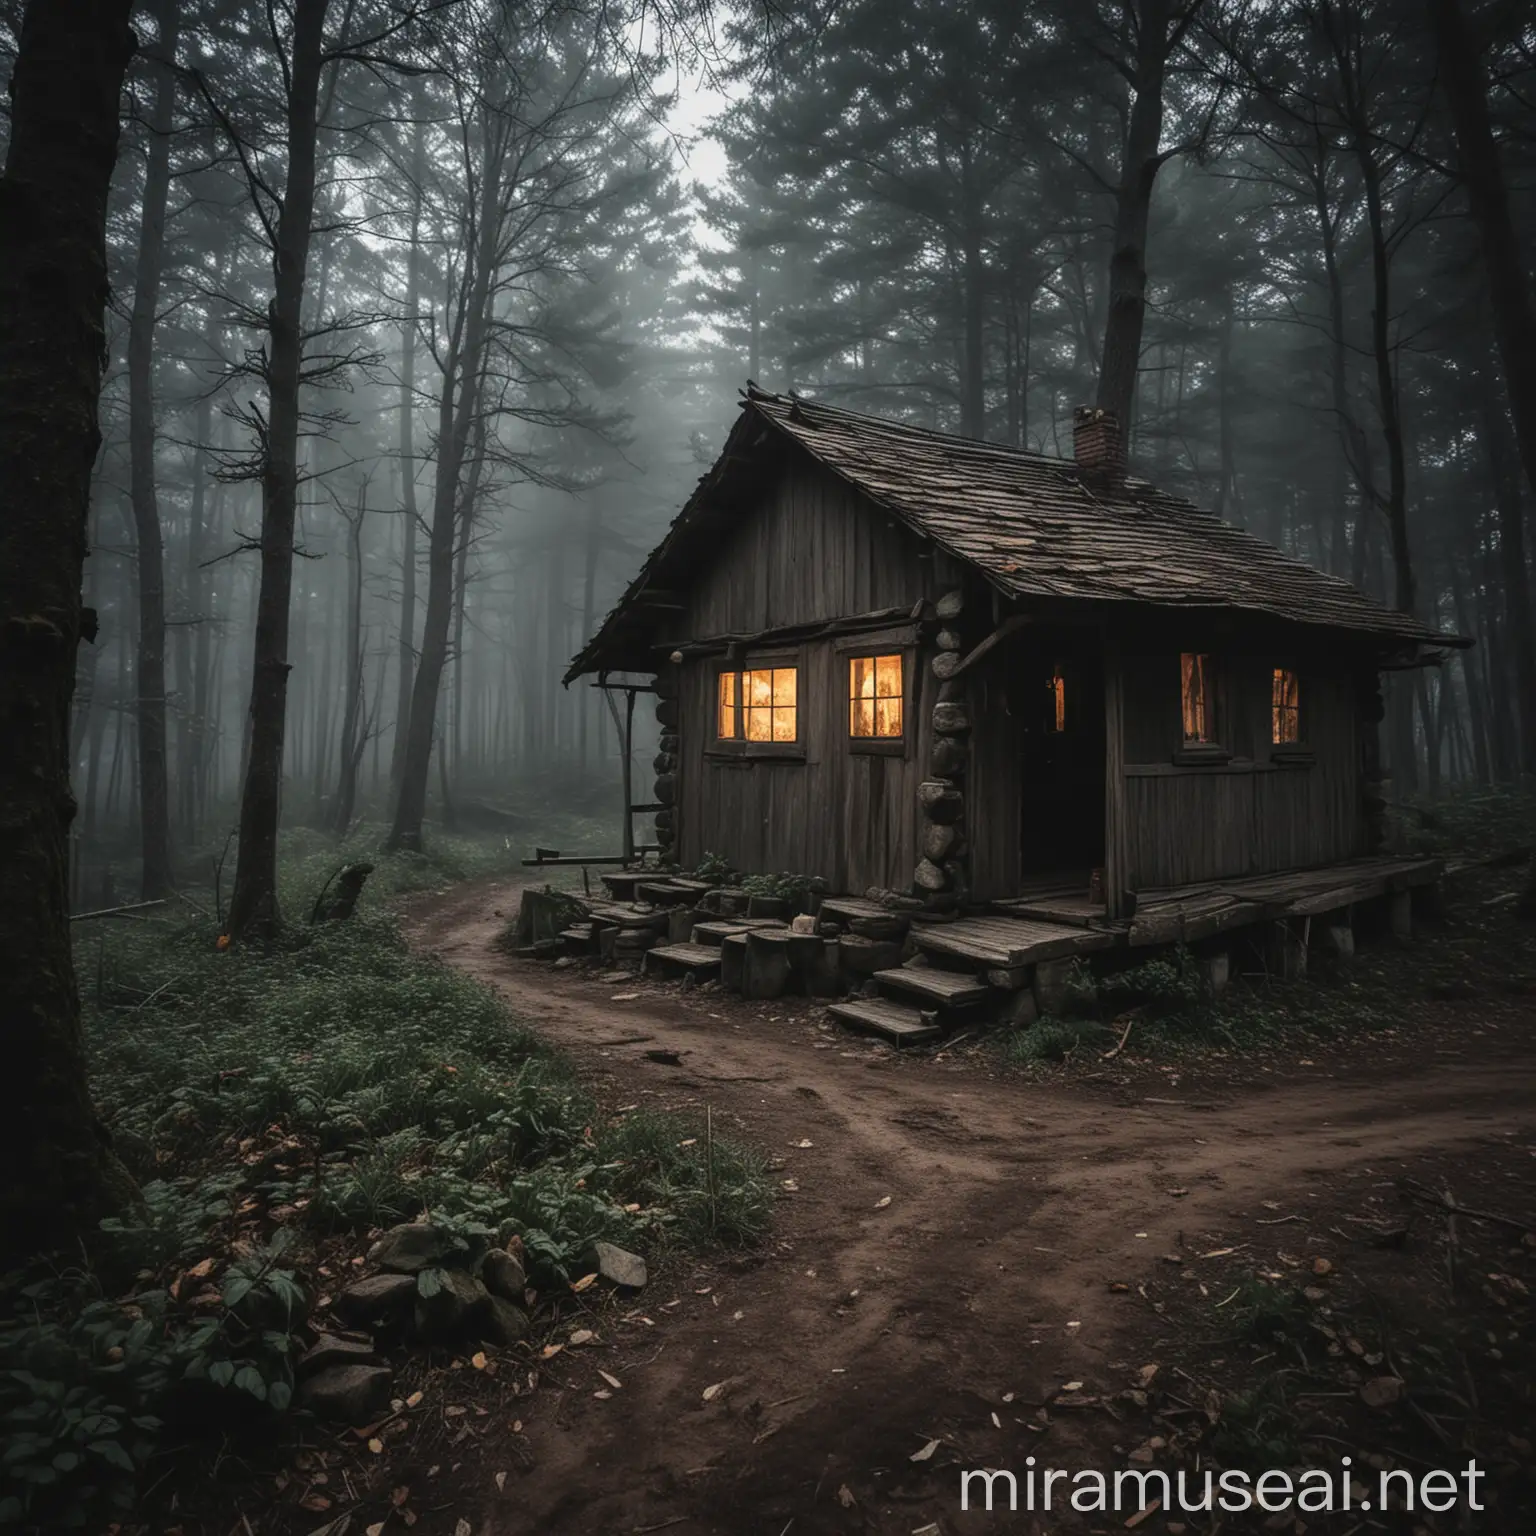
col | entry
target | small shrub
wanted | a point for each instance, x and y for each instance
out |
(1054, 1039)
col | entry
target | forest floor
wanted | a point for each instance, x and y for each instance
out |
(1147, 1262)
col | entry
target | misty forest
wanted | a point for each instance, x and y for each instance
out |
(354, 356)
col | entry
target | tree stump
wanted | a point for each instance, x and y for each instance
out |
(766, 973)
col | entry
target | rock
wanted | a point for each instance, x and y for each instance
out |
(664, 762)
(666, 788)
(410, 1248)
(951, 605)
(503, 1324)
(618, 1266)
(949, 757)
(946, 664)
(504, 1275)
(940, 802)
(667, 713)
(380, 1298)
(458, 1302)
(938, 840)
(335, 1349)
(350, 1394)
(947, 640)
(929, 877)
(951, 719)
(1381, 1392)
(804, 923)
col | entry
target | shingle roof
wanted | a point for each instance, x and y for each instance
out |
(1036, 528)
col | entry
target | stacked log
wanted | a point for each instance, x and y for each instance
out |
(665, 765)
(940, 876)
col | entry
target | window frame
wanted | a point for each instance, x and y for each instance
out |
(878, 746)
(1212, 749)
(738, 747)
(1299, 752)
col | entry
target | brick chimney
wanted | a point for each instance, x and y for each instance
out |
(1097, 446)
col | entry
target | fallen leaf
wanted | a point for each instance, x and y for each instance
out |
(623, 997)
(613, 1381)
(316, 1503)
(791, 1186)
(1143, 1514)
(1072, 1386)
(454, 1411)
(1178, 1193)
(997, 1423)
(882, 1202)
(1148, 1374)
(376, 1529)
(398, 1496)
(1118, 1287)
(1321, 1267)
(582, 1336)
(501, 1481)
(585, 1283)
(478, 1360)
(602, 1394)
(845, 1497)
(1218, 1253)
(201, 1270)
(803, 1143)
(413, 1399)
(927, 1451)
(711, 1393)
(376, 1446)
(1381, 1392)
(463, 1528)
(547, 1353)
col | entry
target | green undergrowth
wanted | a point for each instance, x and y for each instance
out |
(278, 1106)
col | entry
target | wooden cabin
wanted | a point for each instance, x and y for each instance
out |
(916, 663)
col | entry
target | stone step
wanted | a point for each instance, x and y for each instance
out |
(933, 987)
(700, 961)
(891, 1021)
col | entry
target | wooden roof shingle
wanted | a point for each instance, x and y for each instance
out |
(1035, 526)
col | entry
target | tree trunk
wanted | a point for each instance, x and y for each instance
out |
(458, 408)
(354, 736)
(1133, 205)
(973, 283)
(408, 508)
(60, 1175)
(253, 905)
(154, 786)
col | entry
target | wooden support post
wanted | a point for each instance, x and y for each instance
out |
(629, 799)
(1217, 971)
(1116, 830)
(1400, 914)
(1284, 942)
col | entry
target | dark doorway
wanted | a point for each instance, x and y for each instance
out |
(1060, 681)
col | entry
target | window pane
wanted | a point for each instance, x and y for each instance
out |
(888, 674)
(759, 689)
(861, 677)
(1285, 707)
(759, 724)
(725, 724)
(888, 717)
(784, 724)
(1195, 670)
(861, 717)
(784, 686)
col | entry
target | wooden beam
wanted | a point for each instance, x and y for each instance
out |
(788, 632)
(1007, 627)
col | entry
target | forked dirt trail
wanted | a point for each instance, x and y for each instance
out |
(865, 1329)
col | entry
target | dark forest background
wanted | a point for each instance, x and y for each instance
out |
(433, 286)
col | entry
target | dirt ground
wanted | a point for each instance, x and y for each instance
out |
(960, 1255)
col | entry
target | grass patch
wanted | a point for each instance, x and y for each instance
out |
(278, 1106)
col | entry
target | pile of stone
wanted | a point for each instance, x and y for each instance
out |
(427, 1291)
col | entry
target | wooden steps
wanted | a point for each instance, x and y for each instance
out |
(718, 929)
(701, 961)
(843, 909)
(934, 988)
(891, 1021)
(981, 943)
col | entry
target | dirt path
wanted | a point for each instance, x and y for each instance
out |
(866, 1329)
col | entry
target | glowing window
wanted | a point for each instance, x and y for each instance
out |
(727, 727)
(1285, 708)
(768, 700)
(1195, 671)
(874, 696)
(1056, 702)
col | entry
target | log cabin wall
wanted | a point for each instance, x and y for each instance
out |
(1256, 813)
(812, 550)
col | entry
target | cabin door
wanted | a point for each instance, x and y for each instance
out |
(1062, 759)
